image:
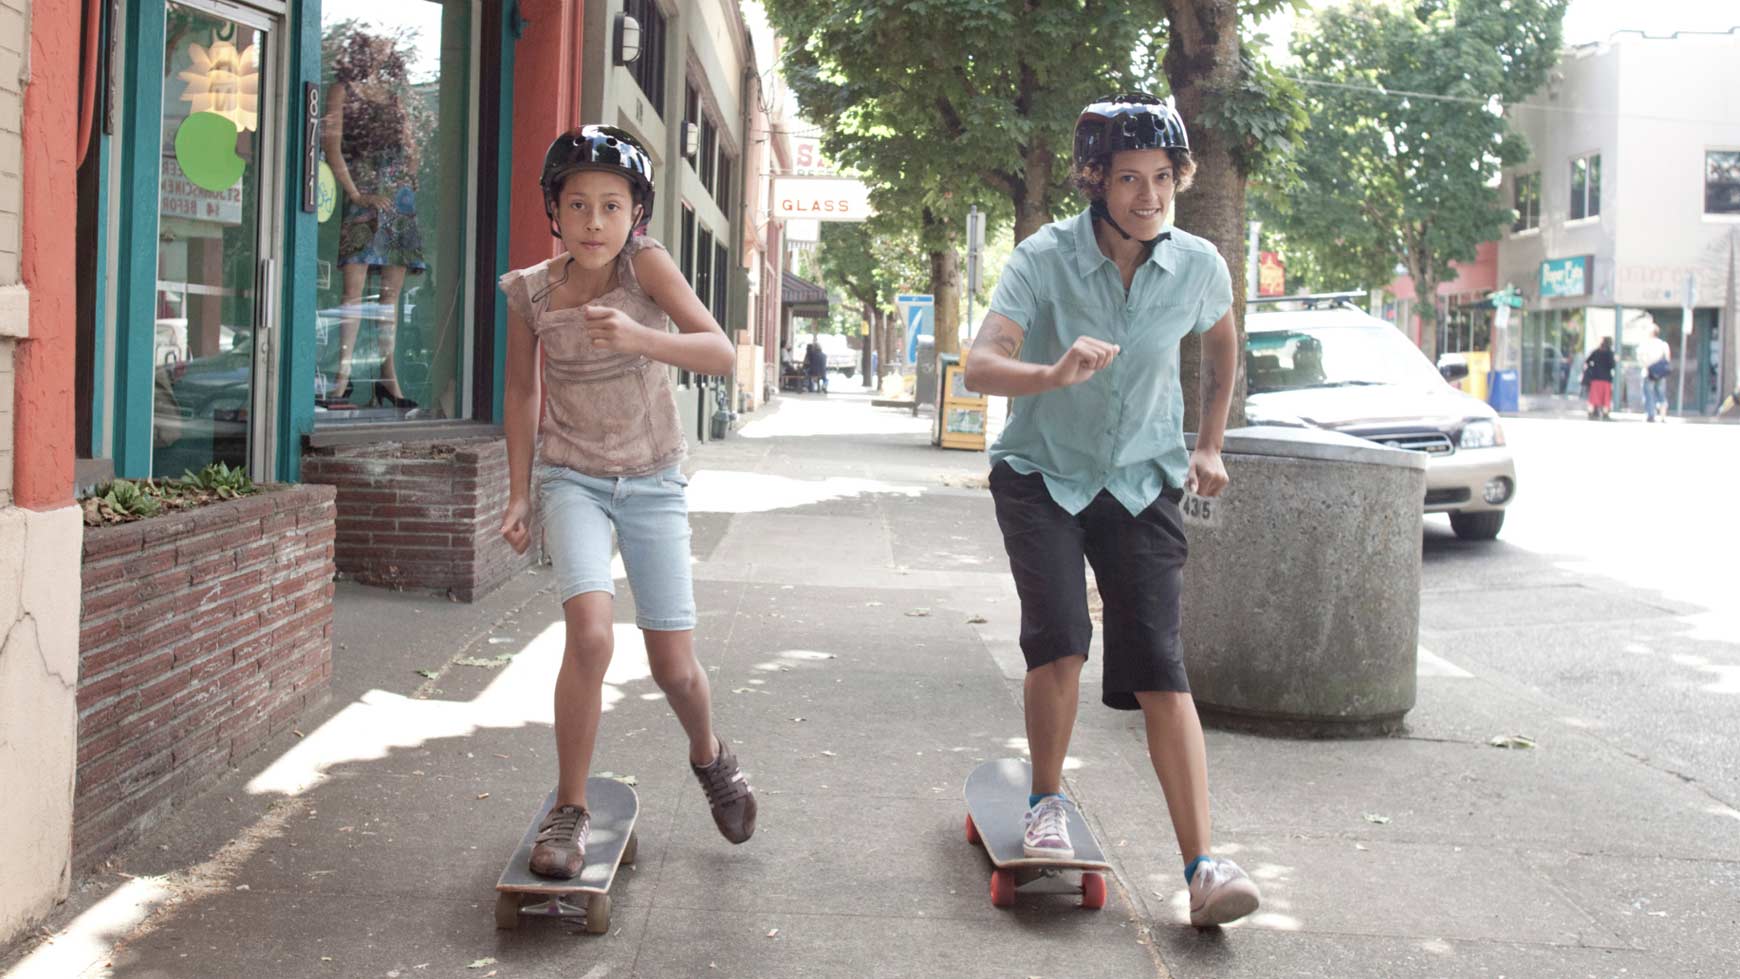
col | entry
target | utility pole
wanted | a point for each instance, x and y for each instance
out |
(975, 253)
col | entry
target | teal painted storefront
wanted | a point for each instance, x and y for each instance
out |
(125, 394)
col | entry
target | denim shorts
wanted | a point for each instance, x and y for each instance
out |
(650, 515)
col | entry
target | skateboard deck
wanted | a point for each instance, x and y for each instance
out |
(610, 842)
(996, 801)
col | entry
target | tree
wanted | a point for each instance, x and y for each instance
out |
(1408, 134)
(871, 262)
(1243, 119)
(937, 103)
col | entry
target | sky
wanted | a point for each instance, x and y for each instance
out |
(1585, 20)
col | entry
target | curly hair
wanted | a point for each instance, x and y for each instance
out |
(366, 56)
(1090, 176)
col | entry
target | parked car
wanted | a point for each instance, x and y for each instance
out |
(1338, 368)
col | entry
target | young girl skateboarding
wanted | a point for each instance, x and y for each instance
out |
(610, 458)
(1083, 335)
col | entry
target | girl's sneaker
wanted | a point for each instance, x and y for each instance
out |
(1048, 830)
(561, 848)
(729, 794)
(1220, 892)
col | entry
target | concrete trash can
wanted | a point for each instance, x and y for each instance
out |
(1301, 607)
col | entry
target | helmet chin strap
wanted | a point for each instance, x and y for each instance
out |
(1104, 213)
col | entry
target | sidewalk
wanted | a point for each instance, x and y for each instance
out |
(859, 628)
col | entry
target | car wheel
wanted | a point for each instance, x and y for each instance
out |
(1477, 526)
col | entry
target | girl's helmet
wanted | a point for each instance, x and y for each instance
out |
(603, 148)
(1127, 121)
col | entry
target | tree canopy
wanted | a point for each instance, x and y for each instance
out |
(1408, 136)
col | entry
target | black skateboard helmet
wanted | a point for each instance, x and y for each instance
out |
(1127, 121)
(603, 148)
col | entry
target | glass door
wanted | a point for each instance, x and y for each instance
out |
(218, 219)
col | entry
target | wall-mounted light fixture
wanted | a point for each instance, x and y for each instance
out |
(627, 39)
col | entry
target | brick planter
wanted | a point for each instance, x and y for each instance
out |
(421, 515)
(202, 633)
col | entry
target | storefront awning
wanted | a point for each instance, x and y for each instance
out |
(803, 298)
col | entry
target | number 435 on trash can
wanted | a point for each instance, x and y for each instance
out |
(1201, 511)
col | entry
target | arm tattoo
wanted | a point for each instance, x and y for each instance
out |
(1001, 337)
(1210, 385)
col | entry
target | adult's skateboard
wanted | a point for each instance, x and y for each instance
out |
(996, 801)
(609, 843)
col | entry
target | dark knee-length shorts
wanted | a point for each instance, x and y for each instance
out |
(1138, 564)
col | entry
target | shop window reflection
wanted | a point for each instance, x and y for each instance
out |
(391, 309)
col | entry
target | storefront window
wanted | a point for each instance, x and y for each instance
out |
(1722, 182)
(209, 242)
(396, 165)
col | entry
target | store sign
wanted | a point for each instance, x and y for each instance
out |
(1271, 274)
(1565, 277)
(820, 198)
(180, 197)
(807, 159)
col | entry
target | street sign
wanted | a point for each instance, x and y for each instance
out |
(918, 312)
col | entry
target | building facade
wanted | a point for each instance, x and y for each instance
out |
(295, 216)
(40, 526)
(1632, 192)
(267, 233)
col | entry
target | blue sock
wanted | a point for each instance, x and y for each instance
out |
(1190, 871)
(1034, 797)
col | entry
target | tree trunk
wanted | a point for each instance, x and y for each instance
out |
(868, 341)
(1426, 303)
(1033, 203)
(945, 286)
(1202, 62)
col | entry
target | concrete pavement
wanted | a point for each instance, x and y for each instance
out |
(859, 629)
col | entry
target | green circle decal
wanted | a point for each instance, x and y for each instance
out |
(327, 194)
(205, 147)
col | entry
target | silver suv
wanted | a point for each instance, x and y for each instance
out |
(1334, 366)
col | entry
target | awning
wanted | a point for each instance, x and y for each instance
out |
(803, 298)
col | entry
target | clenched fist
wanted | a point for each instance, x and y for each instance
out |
(608, 328)
(1085, 358)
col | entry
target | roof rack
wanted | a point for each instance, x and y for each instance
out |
(1313, 300)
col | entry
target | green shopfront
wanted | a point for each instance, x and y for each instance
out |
(290, 222)
(1572, 312)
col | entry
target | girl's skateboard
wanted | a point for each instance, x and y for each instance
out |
(609, 842)
(996, 801)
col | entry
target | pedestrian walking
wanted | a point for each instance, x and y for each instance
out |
(816, 366)
(1083, 335)
(1656, 360)
(609, 458)
(1598, 378)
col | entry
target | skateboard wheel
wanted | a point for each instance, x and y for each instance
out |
(1002, 888)
(507, 911)
(973, 832)
(598, 914)
(1093, 891)
(630, 849)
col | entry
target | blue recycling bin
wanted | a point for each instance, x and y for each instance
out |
(1502, 390)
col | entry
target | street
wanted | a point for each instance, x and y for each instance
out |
(859, 627)
(1610, 593)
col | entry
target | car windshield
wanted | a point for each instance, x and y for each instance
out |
(1334, 356)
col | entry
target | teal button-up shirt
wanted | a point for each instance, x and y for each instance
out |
(1122, 430)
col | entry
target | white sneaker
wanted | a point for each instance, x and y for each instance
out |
(1048, 830)
(1220, 892)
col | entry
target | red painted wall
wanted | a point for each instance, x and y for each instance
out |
(43, 400)
(546, 104)
(1479, 276)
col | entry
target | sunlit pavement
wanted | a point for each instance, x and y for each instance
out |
(859, 630)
